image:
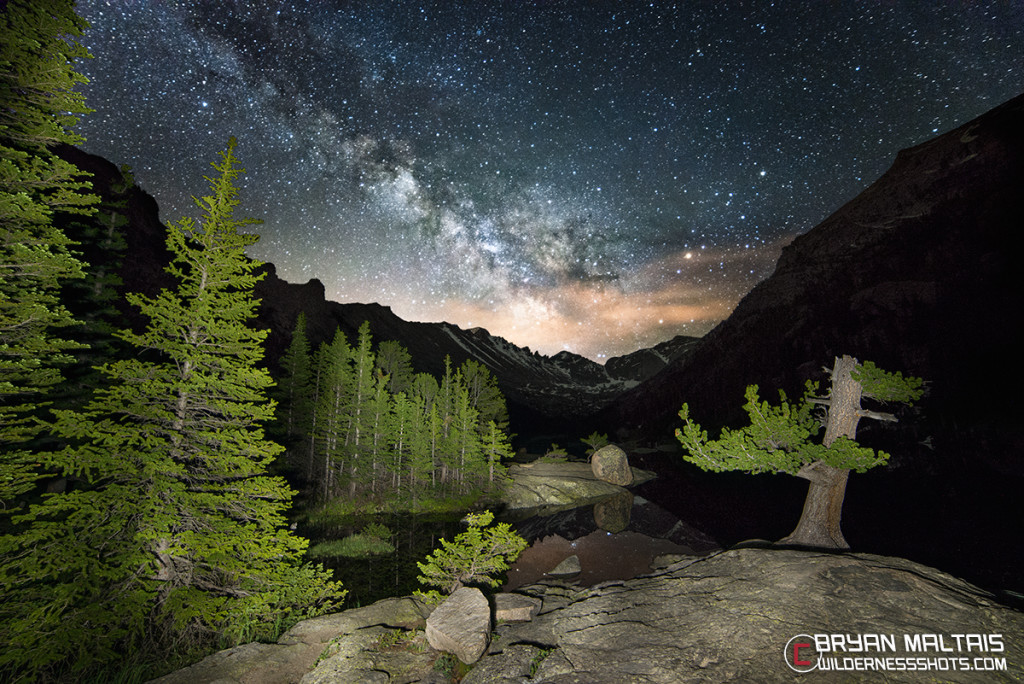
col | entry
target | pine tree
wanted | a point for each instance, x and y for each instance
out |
(293, 388)
(180, 536)
(394, 361)
(420, 460)
(496, 448)
(401, 422)
(424, 386)
(484, 393)
(465, 435)
(333, 411)
(781, 439)
(93, 300)
(474, 556)
(379, 410)
(359, 443)
(38, 109)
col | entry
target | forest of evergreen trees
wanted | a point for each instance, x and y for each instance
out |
(140, 522)
(360, 423)
(141, 519)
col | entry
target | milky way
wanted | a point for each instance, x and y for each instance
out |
(588, 176)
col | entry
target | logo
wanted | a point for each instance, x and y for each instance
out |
(800, 654)
(875, 652)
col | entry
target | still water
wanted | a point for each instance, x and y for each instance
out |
(615, 539)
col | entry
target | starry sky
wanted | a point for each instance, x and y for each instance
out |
(590, 176)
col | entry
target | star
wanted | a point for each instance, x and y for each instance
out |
(541, 170)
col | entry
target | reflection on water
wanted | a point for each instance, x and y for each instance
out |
(615, 539)
(371, 579)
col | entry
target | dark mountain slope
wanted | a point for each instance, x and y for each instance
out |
(920, 273)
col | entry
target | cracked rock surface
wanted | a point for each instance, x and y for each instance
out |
(720, 618)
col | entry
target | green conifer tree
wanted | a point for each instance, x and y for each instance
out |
(359, 443)
(484, 394)
(401, 422)
(496, 448)
(474, 556)
(293, 388)
(420, 460)
(781, 439)
(93, 300)
(38, 109)
(424, 386)
(379, 410)
(333, 413)
(465, 436)
(394, 361)
(180, 537)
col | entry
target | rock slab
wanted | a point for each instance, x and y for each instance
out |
(727, 617)
(461, 625)
(515, 607)
(610, 464)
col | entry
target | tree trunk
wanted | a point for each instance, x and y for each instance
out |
(819, 524)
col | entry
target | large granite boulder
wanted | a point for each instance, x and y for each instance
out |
(461, 625)
(610, 464)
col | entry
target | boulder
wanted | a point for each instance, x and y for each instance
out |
(731, 616)
(461, 625)
(515, 607)
(610, 464)
(299, 649)
(545, 488)
(373, 655)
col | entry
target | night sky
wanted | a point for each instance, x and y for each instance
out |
(590, 176)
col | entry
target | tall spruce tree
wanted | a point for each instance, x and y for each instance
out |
(38, 109)
(293, 389)
(332, 413)
(484, 394)
(395, 361)
(359, 443)
(180, 538)
(94, 299)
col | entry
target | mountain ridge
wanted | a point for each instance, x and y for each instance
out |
(909, 273)
(562, 386)
(541, 390)
(919, 273)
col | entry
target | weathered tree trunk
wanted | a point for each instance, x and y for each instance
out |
(819, 524)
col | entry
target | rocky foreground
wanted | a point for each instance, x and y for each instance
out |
(750, 614)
